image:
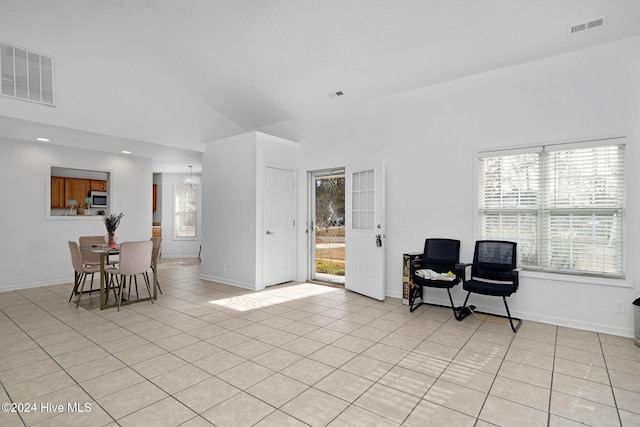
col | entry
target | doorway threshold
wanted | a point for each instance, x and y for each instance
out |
(328, 277)
(322, 282)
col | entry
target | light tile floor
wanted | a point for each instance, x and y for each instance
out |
(296, 355)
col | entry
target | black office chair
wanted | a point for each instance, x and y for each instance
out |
(494, 273)
(441, 256)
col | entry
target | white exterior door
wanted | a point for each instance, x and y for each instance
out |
(279, 226)
(365, 238)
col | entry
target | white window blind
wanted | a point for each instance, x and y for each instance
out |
(564, 205)
(185, 208)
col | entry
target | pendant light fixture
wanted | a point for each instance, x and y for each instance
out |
(191, 180)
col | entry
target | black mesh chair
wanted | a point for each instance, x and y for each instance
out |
(494, 273)
(441, 256)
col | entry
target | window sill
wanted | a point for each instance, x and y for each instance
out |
(74, 217)
(575, 278)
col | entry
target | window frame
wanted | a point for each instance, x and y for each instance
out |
(625, 279)
(176, 212)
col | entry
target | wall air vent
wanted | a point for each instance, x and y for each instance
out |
(588, 25)
(26, 74)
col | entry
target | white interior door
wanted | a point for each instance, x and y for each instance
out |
(278, 248)
(365, 238)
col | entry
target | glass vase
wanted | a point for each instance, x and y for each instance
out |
(112, 240)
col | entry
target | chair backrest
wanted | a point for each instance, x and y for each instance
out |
(76, 256)
(157, 246)
(134, 257)
(494, 260)
(441, 255)
(91, 257)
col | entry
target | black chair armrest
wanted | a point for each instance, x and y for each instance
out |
(460, 270)
(515, 275)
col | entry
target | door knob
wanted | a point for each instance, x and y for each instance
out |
(271, 232)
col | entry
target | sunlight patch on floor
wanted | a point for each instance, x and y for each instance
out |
(272, 296)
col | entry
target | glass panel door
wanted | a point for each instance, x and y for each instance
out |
(327, 231)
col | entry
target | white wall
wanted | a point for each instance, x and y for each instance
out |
(429, 137)
(229, 211)
(172, 248)
(39, 244)
(104, 89)
(232, 174)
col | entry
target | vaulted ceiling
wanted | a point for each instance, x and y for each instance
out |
(154, 74)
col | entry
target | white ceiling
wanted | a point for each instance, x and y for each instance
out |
(240, 65)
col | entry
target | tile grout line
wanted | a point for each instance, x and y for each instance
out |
(553, 370)
(197, 301)
(113, 355)
(613, 394)
(60, 366)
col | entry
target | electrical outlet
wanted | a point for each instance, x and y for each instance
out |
(620, 307)
(23, 271)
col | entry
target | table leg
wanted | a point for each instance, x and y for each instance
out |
(155, 278)
(102, 293)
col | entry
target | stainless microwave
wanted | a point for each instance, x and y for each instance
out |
(98, 199)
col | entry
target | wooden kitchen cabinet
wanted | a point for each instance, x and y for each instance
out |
(57, 192)
(98, 185)
(155, 198)
(77, 189)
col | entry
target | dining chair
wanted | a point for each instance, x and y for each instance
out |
(134, 261)
(92, 258)
(155, 257)
(81, 270)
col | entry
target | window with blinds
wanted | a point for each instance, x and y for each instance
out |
(563, 204)
(185, 213)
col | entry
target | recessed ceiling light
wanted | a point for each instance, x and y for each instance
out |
(126, 152)
(43, 139)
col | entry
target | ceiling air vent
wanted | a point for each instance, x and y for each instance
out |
(588, 25)
(26, 74)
